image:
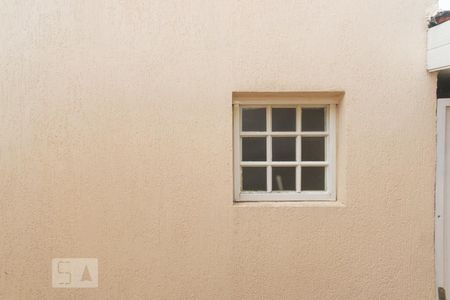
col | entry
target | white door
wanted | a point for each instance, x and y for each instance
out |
(442, 230)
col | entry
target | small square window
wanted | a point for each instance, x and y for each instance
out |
(283, 119)
(254, 179)
(313, 178)
(254, 119)
(313, 119)
(254, 149)
(313, 148)
(283, 178)
(284, 149)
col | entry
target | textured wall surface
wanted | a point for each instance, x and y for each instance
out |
(116, 143)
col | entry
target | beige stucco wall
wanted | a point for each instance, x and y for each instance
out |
(116, 143)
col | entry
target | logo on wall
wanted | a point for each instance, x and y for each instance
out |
(74, 273)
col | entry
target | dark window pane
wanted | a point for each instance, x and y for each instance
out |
(283, 179)
(283, 149)
(253, 119)
(254, 149)
(313, 148)
(313, 178)
(283, 119)
(254, 179)
(313, 119)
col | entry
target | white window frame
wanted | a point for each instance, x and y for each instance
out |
(441, 209)
(275, 100)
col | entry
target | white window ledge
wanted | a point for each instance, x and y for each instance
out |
(330, 204)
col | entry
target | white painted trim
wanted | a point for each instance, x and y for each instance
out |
(280, 102)
(284, 163)
(331, 151)
(237, 150)
(285, 133)
(298, 153)
(286, 196)
(438, 47)
(438, 36)
(272, 204)
(439, 58)
(269, 148)
(329, 194)
(440, 193)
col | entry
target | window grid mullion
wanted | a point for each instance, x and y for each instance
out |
(298, 172)
(327, 129)
(237, 151)
(314, 133)
(284, 164)
(327, 147)
(269, 147)
(331, 151)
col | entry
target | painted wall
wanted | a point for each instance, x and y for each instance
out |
(116, 143)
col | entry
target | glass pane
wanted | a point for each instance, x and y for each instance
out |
(283, 119)
(254, 179)
(313, 148)
(313, 119)
(253, 119)
(283, 149)
(313, 178)
(254, 149)
(283, 179)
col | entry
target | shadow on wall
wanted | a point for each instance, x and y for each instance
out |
(443, 89)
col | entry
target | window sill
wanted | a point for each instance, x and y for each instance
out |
(335, 204)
